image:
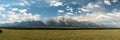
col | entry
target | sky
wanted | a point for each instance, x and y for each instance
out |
(99, 12)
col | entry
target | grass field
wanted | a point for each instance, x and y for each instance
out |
(9, 34)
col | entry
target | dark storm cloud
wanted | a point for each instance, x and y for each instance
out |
(59, 23)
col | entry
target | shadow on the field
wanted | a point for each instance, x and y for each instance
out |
(0, 31)
(63, 28)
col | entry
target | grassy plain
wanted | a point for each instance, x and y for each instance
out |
(9, 34)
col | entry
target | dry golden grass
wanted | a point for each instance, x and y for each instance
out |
(60, 34)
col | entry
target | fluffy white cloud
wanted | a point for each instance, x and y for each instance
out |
(26, 2)
(70, 9)
(60, 11)
(23, 11)
(12, 17)
(85, 10)
(2, 8)
(21, 4)
(69, 13)
(115, 0)
(94, 13)
(74, 2)
(15, 14)
(22, 15)
(108, 19)
(107, 2)
(14, 9)
(90, 7)
(55, 3)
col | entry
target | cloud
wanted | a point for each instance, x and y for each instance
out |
(12, 17)
(55, 3)
(2, 9)
(85, 10)
(70, 21)
(107, 2)
(69, 13)
(96, 19)
(95, 16)
(115, 0)
(18, 3)
(14, 9)
(23, 3)
(70, 9)
(60, 11)
(23, 11)
(90, 6)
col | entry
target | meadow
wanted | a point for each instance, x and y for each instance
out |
(11, 34)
